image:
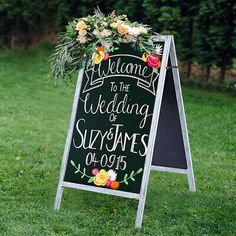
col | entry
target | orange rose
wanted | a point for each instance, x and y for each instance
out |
(121, 29)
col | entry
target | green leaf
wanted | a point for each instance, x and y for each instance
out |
(125, 177)
(126, 182)
(132, 178)
(131, 174)
(139, 170)
(91, 180)
(72, 163)
(83, 173)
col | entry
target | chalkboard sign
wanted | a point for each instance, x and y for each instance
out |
(122, 126)
(112, 125)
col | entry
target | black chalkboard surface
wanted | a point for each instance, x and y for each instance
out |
(169, 146)
(112, 124)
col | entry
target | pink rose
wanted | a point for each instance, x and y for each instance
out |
(153, 60)
(106, 55)
(108, 183)
(95, 171)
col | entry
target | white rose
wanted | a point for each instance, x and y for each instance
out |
(106, 33)
(143, 30)
(113, 25)
(97, 33)
(134, 31)
(106, 44)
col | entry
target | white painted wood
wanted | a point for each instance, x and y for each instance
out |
(169, 169)
(152, 134)
(68, 141)
(101, 190)
(183, 123)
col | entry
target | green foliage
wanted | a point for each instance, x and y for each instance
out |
(216, 34)
(34, 120)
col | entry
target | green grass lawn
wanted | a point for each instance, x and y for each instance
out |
(34, 118)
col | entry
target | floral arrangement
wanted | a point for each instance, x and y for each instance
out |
(93, 38)
(103, 178)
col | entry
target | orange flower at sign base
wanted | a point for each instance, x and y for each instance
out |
(115, 185)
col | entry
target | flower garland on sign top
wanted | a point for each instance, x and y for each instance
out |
(95, 37)
(103, 178)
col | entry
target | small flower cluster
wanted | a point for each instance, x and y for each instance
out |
(105, 178)
(96, 36)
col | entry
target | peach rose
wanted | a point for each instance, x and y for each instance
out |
(121, 29)
(81, 25)
(101, 178)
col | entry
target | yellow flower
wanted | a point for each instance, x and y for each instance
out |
(121, 29)
(101, 178)
(98, 57)
(144, 56)
(81, 25)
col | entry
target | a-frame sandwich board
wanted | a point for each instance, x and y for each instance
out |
(168, 86)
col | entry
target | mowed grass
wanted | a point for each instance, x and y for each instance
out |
(34, 120)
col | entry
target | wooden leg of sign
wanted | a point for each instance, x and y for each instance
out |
(68, 142)
(152, 135)
(57, 202)
(179, 98)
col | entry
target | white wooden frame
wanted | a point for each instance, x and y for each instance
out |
(169, 50)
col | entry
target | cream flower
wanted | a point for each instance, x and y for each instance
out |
(96, 32)
(82, 32)
(128, 38)
(106, 44)
(102, 34)
(112, 175)
(142, 30)
(134, 31)
(116, 24)
(82, 39)
(106, 33)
